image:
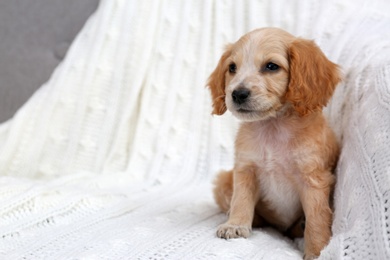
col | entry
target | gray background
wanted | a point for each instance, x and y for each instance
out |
(34, 38)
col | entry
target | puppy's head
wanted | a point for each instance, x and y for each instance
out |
(268, 71)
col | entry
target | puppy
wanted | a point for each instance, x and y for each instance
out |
(277, 85)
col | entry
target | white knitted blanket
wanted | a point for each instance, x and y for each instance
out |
(114, 157)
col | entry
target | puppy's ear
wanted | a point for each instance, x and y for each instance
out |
(216, 83)
(313, 77)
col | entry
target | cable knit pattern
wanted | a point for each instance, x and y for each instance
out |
(114, 157)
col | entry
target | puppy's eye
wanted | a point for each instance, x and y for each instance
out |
(232, 68)
(271, 66)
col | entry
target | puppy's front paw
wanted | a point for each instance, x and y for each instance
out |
(228, 231)
(309, 257)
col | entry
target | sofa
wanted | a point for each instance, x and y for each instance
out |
(35, 36)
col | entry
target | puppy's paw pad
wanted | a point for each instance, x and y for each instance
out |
(228, 231)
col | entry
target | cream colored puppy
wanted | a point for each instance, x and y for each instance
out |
(285, 152)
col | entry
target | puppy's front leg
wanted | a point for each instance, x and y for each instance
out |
(315, 203)
(242, 205)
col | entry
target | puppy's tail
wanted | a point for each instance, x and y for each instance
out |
(223, 190)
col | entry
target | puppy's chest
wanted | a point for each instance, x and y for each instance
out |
(274, 158)
(271, 150)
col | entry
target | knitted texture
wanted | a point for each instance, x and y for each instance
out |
(114, 157)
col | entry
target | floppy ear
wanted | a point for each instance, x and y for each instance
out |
(313, 77)
(216, 83)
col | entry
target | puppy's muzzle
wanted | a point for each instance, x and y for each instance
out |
(240, 95)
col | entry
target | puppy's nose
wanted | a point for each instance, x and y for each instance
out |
(240, 95)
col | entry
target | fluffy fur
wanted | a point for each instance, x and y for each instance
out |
(285, 152)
